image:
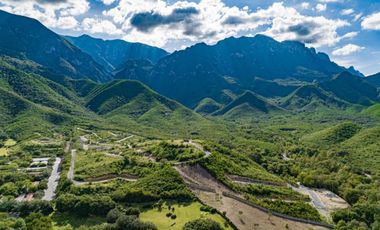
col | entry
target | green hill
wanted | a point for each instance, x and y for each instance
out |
(310, 97)
(352, 89)
(111, 96)
(131, 104)
(38, 90)
(207, 106)
(373, 110)
(247, 104)
(364, 149)
(21, 117)
(333, 135)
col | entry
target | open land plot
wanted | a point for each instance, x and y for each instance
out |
(184, 213)
(244, 216)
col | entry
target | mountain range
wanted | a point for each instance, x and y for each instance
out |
(112, 54)
(62, 79)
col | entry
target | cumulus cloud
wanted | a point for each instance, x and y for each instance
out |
(321, 7)
(305, 5)
(149, 20)
(100, 26)
(157, 22)
(329, 1)
(371, 22)
(52, 13)
(358, 16)
(350, 35)
(347, 50)
(347, 12)
(161, 22)
(108, 2)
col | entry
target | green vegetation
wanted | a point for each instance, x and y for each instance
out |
(373, 110)
(296, 209)
(161, 183)
(224, 161)
(202, 224)
(172, 151)
(247, 104)
(329, 144)
(333, 135)
(184, 213)
(92, 164)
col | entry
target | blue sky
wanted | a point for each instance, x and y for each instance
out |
(347, 30)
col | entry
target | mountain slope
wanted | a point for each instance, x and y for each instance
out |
(200, 71)
(352, 89)
(39, 90)
(309, 97)
(130, 104)
(207, 106)
(333, 135)
(248, 103)
(26, 38)
(374, 79)
(113, 53)
(134, 69)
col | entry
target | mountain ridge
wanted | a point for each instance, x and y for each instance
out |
(27, 38)
(111, 54)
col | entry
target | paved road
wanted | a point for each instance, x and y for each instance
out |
(315, 199)
(70, 173)
(53, 181)
(126, 138)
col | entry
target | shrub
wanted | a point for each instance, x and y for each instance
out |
(37, 221)
(132, 212)
(202, 224)
(113, 215)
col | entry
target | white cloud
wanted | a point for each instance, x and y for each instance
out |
(305, 5)
(171, 24)
(57, 14)
(347, 12)
(358, 16)
(321, 7)
(99, 26)
(350, 35)
(212, 20)
(372, 22)
(347, 50)
(329, 1)
(108, 2)
(67, 22)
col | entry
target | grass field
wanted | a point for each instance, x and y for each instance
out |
(3, 152)
(184, 213)
(10, 143)
(95, 164)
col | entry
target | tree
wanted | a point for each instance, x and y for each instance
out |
(37, 221)
(202, 224)
(9, 189)
(113, 215)
(132, 223)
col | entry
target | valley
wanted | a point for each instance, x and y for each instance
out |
(247, 133)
